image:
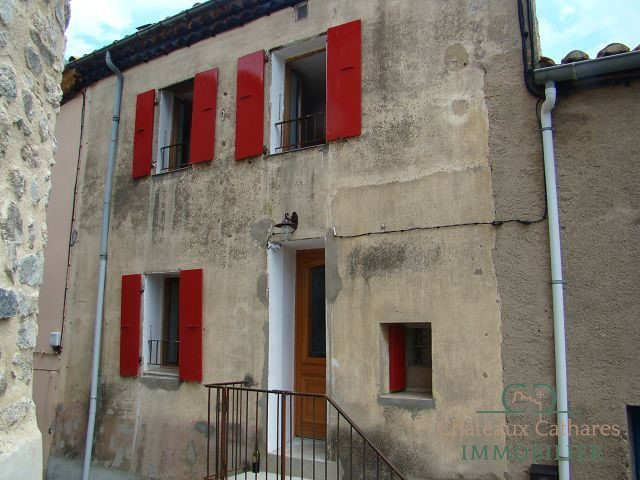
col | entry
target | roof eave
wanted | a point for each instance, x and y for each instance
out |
(586, 69)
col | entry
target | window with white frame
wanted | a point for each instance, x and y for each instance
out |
(174, 126)
(161, 323)
(298, 93)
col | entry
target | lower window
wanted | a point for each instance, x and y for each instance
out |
(162, 322)
(410, 357)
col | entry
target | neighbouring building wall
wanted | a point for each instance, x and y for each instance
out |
(597, 155)
(427, 204)
(31, 47)
(46, 362)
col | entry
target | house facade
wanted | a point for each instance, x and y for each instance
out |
(412, 284)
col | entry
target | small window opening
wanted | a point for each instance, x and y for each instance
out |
(301, 11)
(162, 320)
(299, 87)
(174, 132)
(410, 368)
(418, 358)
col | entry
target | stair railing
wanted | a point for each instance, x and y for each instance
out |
(252, 432)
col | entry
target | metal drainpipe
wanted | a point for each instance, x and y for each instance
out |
(556, 279)
(102, 270)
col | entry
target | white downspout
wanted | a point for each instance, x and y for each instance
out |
(562, 405)
(102, 270)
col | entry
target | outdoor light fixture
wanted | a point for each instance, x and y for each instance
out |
(288, 225)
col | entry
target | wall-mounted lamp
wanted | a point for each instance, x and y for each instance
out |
(55, 340)
(288, 225)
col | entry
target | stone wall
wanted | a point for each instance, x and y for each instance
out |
(31, 48)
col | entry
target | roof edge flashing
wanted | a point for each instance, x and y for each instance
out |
(588, 68)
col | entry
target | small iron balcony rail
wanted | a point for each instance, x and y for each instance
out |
(251, 434)
(301, 132)
(174, 156)
(162, 351)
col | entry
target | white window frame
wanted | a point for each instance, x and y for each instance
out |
(278, 62)
(152, 328)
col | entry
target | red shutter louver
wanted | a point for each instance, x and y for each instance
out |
(130, 324)
(203, 118)
(143, 136)
(397, 358)
(190, 329)
(344, 72)
(250, 106)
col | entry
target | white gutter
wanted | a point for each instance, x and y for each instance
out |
(102, 270)
(594, 67)
(556, 279)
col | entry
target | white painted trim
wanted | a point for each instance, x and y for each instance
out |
(281, 270)
(164, 125)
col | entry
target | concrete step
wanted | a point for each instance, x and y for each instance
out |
(300, 461)
(263, 476)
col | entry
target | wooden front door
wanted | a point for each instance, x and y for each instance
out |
(310, 359)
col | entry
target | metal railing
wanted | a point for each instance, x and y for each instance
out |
(174, 156)
(304, 131)
(252, 432)
(163, 352)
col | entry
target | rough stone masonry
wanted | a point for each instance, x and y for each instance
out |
(31, 62)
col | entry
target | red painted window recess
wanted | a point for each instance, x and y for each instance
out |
(397, 358)
(250, 106)
(130, 324)
(190, 328)
(203, 117)
(344, 74)
(143, 135)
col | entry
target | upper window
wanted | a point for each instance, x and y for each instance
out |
(301, 11)
(298, 91)
(185, 130)
(174, 127)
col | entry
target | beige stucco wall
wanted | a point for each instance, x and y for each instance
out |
(597, 154)
(31, 46)
(448, 146)
(46, 362)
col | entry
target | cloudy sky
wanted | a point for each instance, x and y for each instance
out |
(565, 25)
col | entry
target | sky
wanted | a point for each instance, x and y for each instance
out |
(587, 25)
(564, 25)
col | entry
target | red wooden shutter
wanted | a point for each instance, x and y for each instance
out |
(143, 137)
(130, 324)
(203, 118)
(190, 327)
(397, 358)
(344, 72)
(250, 105)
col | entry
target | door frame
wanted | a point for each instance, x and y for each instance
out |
(305, 261)
(281, 279)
